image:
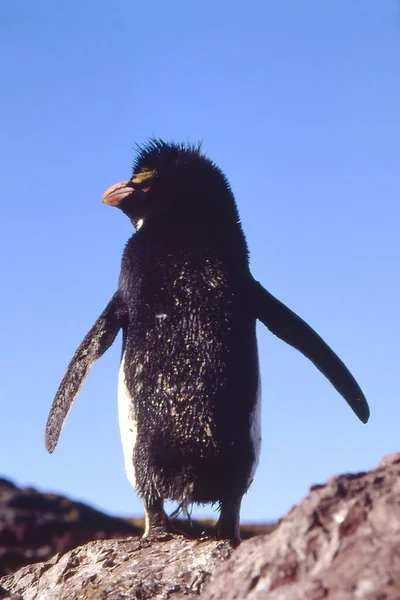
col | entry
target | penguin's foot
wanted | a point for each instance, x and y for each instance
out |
(229, 531)
(228, 525)
(157, 522)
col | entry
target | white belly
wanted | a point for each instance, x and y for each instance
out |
(255, 430)
(127, 424)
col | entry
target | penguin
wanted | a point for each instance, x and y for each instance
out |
(187, 305)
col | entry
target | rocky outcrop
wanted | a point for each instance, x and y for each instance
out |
(170, 567)
(340, 543)
(34, 526)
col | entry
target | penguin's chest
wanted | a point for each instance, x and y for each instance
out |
(173, 380)
(177, 367)
(181, 338)
(189, 373)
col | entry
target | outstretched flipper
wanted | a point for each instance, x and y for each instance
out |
(95, 343)
(290, 328)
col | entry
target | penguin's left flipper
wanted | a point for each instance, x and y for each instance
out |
(98, 339)
(290, 328)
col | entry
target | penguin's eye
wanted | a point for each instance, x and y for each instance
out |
(146, 189)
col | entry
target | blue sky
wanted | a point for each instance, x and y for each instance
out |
(298, 102)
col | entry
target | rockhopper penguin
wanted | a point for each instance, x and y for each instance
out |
(189, 389)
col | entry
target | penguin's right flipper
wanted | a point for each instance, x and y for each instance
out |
(290, 328)
(98, 339)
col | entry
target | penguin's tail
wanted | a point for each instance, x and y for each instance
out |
(185, 503)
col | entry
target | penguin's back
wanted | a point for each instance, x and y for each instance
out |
(190, 371)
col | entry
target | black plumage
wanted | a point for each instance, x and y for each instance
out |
(187, 304)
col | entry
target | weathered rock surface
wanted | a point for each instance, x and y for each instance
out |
(34, 526)
(341, 543)
(123, 569)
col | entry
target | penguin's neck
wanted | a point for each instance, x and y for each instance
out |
(158, 237)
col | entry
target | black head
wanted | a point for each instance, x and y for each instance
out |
(174, 183)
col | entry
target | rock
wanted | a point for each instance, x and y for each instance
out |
(340, 543)
(170, 567)
(34, 526)
(4, 595)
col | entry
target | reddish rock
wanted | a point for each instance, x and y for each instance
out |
(171, 567)
(342, 543)
(34, 526)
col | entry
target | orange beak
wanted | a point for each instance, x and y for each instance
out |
(114, 195)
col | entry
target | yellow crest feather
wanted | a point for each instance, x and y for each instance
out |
(143, 176)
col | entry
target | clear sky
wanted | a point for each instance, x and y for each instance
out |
(298, 103)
